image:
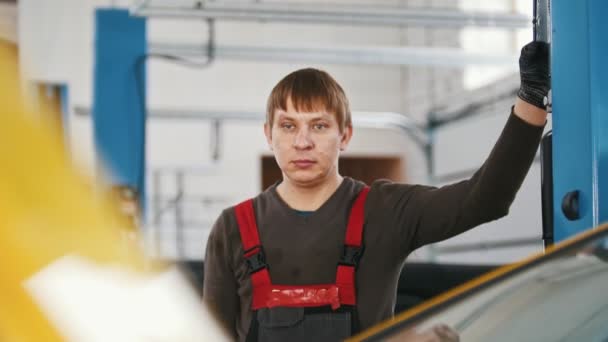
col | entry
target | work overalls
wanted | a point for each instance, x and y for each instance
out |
(320, 312)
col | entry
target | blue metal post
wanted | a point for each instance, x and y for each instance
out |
(65, 113)
(119, 96)
(580, 112)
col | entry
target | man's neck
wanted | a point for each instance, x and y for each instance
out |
(308, 197)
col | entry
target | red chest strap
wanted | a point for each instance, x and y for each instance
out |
(265, 294)
(250, 239)
(353, 249)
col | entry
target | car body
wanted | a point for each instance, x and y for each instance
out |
(558, 295)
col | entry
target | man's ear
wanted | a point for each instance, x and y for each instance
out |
(268, 134)
(346, 136)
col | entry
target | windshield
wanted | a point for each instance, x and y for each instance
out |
(560, 297)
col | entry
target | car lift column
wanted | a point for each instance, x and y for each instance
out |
(119, 113)
(580, 115)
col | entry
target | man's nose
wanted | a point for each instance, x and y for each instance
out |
(302, 140)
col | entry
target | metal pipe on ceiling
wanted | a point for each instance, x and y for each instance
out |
(448, 57)
(463, 104)
(328, 13)
(376, 120)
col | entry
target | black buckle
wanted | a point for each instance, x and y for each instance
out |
(256, 261)
(351, 255)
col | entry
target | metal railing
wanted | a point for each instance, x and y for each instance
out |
(179, 217)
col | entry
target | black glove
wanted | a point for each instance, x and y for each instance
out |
(534, 73)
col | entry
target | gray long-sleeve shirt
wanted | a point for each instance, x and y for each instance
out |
(304, 250)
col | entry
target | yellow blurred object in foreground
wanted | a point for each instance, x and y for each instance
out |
(50, 220)
(46, 210)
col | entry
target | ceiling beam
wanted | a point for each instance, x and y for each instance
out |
(327, 13)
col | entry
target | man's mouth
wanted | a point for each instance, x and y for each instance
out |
(303, 163)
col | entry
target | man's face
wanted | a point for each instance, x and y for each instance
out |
(306, 145)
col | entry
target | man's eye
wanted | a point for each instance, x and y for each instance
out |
(287, 126)
(320, 126)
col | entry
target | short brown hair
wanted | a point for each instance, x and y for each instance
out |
(310, 90)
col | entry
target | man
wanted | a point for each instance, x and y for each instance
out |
(278, 267)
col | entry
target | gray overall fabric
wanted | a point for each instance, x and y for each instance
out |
(291, 324)
(304, 250)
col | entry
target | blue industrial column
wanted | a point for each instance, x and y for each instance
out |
(579, 55)
(119, 97)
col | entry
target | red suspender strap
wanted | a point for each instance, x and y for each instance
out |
(245, 217)
(345, 276)
(254, 255)
(354, 230)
